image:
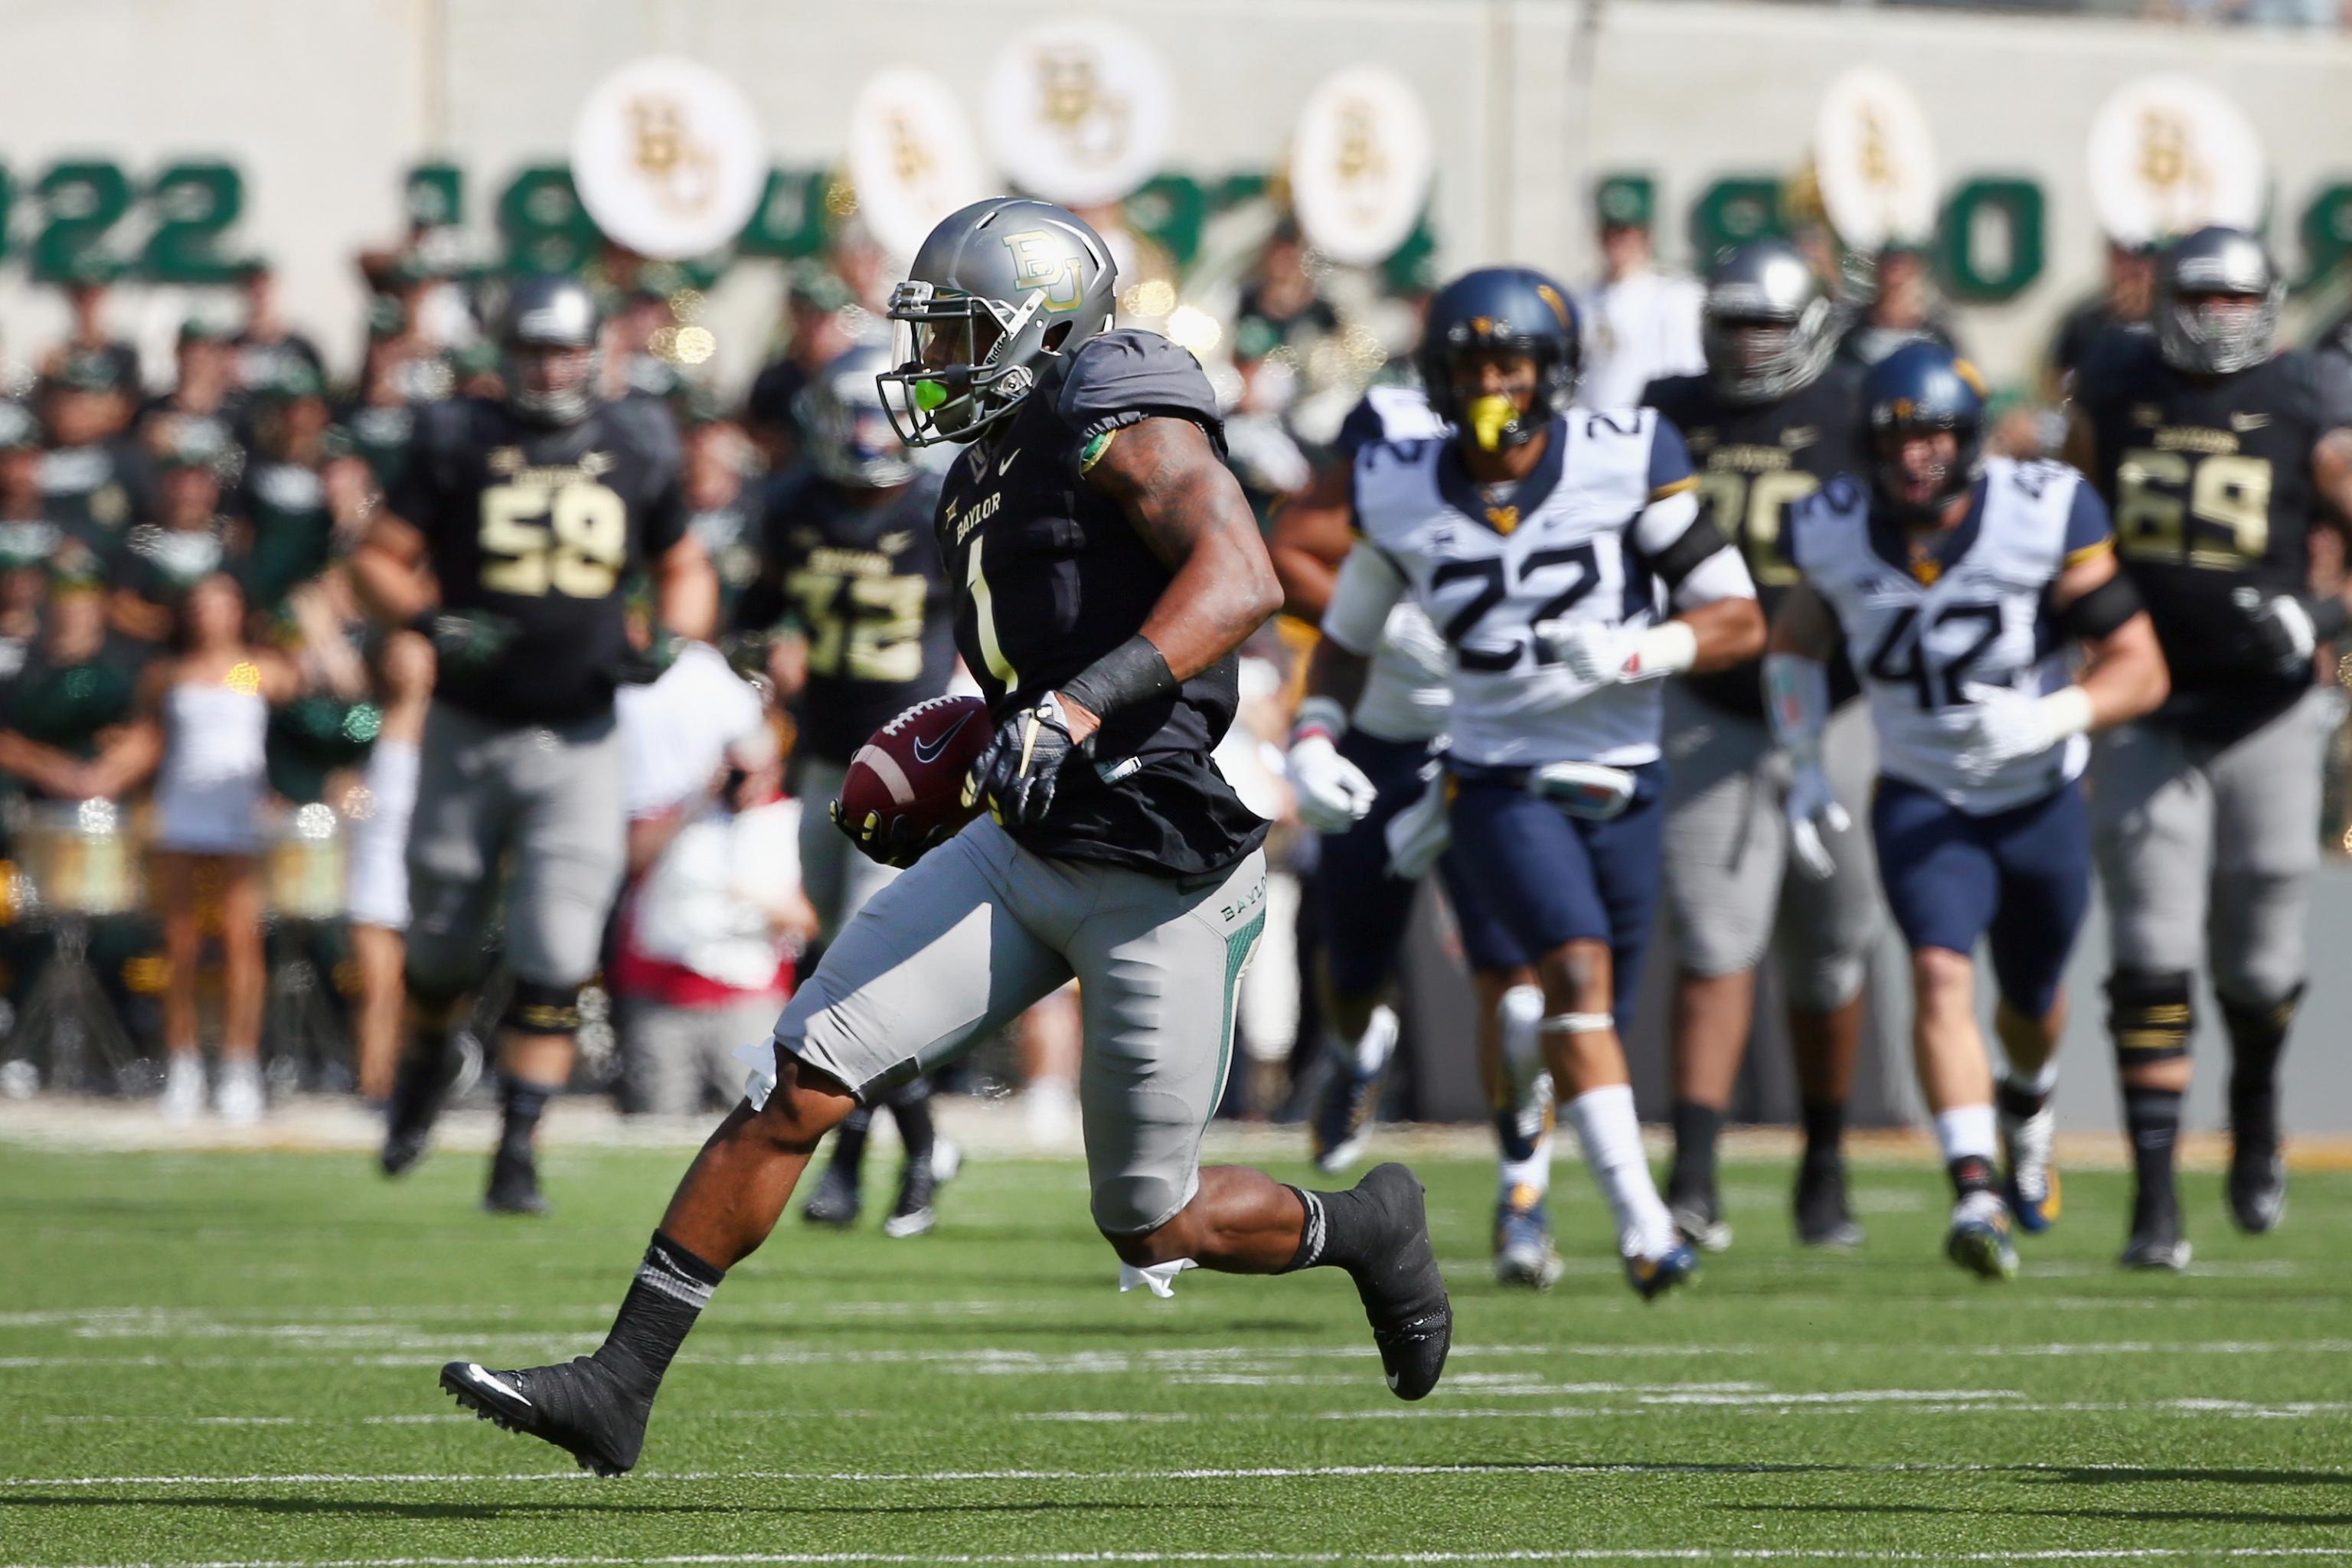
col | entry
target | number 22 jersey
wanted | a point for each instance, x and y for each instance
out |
(1933, 619)
(542, 524)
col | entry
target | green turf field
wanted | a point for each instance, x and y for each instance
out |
(230, 1359)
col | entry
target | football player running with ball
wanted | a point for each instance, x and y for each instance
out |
(1109, 566)
(2215, 452)
(1955, 581)
(1540, 539)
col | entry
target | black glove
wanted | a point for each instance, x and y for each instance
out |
(1017, 774)
(643, 667)
(893, 843)
(2286, 629)
(466, 642)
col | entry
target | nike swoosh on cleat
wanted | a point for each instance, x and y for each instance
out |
(480, 1373)
(1392, 1382)
(931, 753)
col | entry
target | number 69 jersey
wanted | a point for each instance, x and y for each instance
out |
(543, 525)
(1929, 630)
(1580, 539)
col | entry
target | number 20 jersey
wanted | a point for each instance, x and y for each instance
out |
(1564, 545)
(1926, 634)
(544, 525)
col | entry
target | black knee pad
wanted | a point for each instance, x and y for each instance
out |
(2259, 1025)
(537, 1009)
(2150, 1013)
(433, 1004)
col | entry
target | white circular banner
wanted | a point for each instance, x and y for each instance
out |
(1875, 159)
(1078, 113)
(1360, 163)
(2170, 154)
(912, 157)
(668, 158)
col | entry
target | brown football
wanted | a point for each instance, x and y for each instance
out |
(915, 766)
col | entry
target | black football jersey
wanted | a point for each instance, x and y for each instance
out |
(1754, 461)
(1054, 576)
(860, 571)
(543, 525)
(2210, 481)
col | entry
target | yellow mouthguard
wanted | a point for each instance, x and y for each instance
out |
(1489, 417)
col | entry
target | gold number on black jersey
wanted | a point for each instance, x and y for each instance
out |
(868, 628)
(1749, 508)
(572, 538)
(2212, 511)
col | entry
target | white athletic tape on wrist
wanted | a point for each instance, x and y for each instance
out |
(1157, 1277)
(1578, 1023)
(2067, 712)
(1323, 713)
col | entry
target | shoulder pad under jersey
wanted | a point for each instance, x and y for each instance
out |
(1125, 376)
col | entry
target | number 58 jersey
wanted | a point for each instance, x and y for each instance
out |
(543, 525)
(1931, 623)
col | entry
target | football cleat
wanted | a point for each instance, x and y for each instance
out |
(579, 1406)
(2257, 1188)
(514, 1185)
(912, 1214)
(1653, 1277)
(1523, 1248)
(1699, 1221)
(1403, 1294)
(2155, 1240)
(1343, 1122)
(1980, 1241)
(836, 1202)
(947, 1158)
(1823, 1220)
(2030, 1186)
(422, 1083)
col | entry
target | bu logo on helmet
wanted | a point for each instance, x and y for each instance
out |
(1035, 265)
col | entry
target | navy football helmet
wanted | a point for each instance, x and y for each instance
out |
(1501, 309)
(1922, 386)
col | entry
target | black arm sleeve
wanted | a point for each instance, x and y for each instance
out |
(2102, 609)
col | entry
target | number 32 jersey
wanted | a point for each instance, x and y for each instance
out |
(1929, 629)
(543, 525)
(1566, 544)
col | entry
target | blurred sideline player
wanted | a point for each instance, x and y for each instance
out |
(848, 555)
(1771, 420)
(1110, 567)
(1538, 540)
(509, 540)
(1393, 737)
(1955, 581)
(2215, 452)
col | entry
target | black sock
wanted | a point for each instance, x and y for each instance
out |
(2257, 1039)
(915, 1129)
(2019, 1099)
(1970, 1173)
(670, 1290)
(523, 1103)
(849, 1141)
(1696, 1129)
(1824, 1130)
(1340, 1228)
(2153, 1118)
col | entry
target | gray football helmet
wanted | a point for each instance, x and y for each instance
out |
(998, 290)
(852, 439)
(1768, 327)
(2217, 301)
(549, 310)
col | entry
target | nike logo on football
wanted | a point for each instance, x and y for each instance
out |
(929, 753)
(1010, 459)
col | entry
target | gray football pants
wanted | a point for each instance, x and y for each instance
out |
(1731, 888)
(2206, 852)
(539, 804)
(838, 878)
(979, 929)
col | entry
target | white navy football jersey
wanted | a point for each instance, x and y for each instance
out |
(1563, 544)
(1405, 696)
(1927, 634)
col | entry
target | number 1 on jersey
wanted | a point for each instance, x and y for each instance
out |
(983, 614)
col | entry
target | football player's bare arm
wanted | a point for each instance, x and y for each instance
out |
(685, 590)
(46, 768)
(1729, 631)
(2331, 476)
(133, 752)
(1334, 672)
(2123, 673)
(1805, 626)
(1310, 538)
(1189, 511)
(389, 572)
(2081, 452)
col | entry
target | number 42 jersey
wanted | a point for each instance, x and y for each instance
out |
(1932, 620)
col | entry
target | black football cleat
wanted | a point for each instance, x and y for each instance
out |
(2155, 1243)
(426, 1076)
(1699, 1220)
(514, 1185)
(1403, 1294)
(912, 1214)
(2257, 1188)
(579, 1406)
(836, 1202)
(1824, 1218)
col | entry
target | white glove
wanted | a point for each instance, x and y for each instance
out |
(1598, 655)
(2006, 725)
(1812, 806)
(1333, 792)
(1419, 834)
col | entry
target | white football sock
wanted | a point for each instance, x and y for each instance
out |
(1371, 1050)
(1612, 1135)
(1533, 1173)
(1965, 1130)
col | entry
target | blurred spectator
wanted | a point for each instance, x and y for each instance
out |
(1281, 298)
(377, 898)
(710, 934)
(283, 495)
(204, 399)
(93, 479)
(816, 319)
(721, 501)
(1902, 309)
(1259, 445)
(1640, 325)
(22, 499)
(76, 686)
(187, 540)
(268, 345)
(203, 720)
(381, 418)
(87, 295)
(2124, 302)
